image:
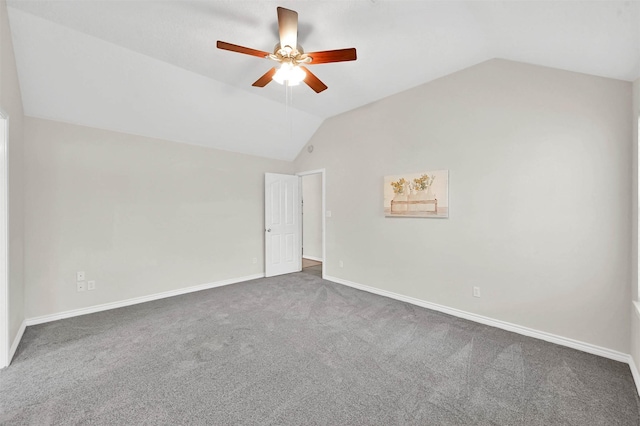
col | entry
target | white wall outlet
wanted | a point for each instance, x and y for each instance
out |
(254, 260)
(91, 285)
(476, 292)
(341, 264)
(81, 286)
(80, 276)
(328, 213)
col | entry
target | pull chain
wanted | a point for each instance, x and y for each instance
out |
(290, 114)
(288, 101)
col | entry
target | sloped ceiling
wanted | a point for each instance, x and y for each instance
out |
(151, 67)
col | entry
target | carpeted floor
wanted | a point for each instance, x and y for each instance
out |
(299, 350)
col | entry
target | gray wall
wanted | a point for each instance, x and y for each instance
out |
(140, 216)
(11, 104)
(540, 177)
(312, 217)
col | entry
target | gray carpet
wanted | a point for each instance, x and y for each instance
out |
(299, 350)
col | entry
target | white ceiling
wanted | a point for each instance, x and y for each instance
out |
(151, 67)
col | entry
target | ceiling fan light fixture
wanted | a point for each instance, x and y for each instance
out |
(291, 55)
(292, 74)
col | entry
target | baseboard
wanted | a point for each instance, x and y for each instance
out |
(16, 341)
(136, 300)
(563, 341)
(635, 373)
(632, 364)
(317, 259)
(559, 340)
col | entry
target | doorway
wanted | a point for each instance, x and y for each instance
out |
(313, 224)
(283, 223)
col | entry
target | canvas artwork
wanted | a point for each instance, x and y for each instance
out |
(417, 194)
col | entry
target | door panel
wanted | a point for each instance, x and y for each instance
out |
(282, 224)
(290, 247)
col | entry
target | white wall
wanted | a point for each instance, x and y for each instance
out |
(312, 216)
(540, 177)
(140, 216)
(11, 104)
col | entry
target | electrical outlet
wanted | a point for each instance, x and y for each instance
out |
(80, 276)
(81, 286)
(328, 213)
(254, 260)
(341, 264)
(476, 292)
(91, 285)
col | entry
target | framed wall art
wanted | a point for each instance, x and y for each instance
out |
(423, 194)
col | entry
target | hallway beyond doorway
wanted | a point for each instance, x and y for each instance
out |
(312, 267)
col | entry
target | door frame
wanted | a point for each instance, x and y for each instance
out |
(5, 346)
(322, 172)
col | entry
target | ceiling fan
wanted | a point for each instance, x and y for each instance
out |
(291, 56)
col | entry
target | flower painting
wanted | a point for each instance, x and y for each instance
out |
(417, 194)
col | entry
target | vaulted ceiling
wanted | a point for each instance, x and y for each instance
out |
(152, 68)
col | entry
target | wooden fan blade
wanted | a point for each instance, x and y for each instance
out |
(313, 81)
(265, 79)
(327, 56)
(288, 27)
(241, 49)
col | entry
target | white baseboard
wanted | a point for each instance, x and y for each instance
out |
(632, 363)
(563, 341)
(136, 300)
(16, 341)
(317, 259)
(635, 373)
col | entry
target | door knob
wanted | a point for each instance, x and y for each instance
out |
(269, 230)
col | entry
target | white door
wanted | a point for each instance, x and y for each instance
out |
(282, 224)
